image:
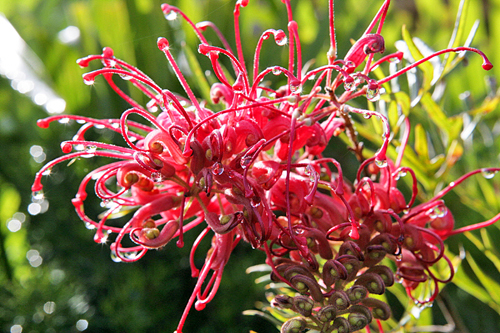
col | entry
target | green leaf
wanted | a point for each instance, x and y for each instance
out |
(491, 286)
(457, 34)
(198, 78)
(421, 146)
(452, 126)
(426, 67)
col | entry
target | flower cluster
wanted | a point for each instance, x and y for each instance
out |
(254, 171)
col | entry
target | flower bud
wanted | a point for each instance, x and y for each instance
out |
(294, 325)
(351, 264)
(351, 248)
(356, 293)
(339, 299)
(327, 313)
(282, 302)
(303, 305)
(304, 284)
(341, 325)
(384, 272)
(222, 224)
(380, 310)
(333, 271)
(359, 317)
(373, 282)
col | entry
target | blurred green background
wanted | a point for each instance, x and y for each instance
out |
(54, 278)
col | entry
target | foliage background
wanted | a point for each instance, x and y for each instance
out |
(78, 275)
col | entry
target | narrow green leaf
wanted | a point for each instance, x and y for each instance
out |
(426, 67)
(198, 78)
(458, 32)
(491, 286)
(465, 283)
(421, 146)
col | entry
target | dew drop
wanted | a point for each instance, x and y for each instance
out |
(309, 171)
(171, 15)
(101, 238)
(64, 121)
(394, 60)
(217, 169)
(126, 77)
(89, 226)
(381, 163)
(437, 212)
(131, 255)
(312, 77)
(158, 177)
(367, 116)
(276, 71)
(373, 95)
(295, 87)
(488, 173)
(88, 81)
(400, 174)
(80, 121)
(109, 63)
(406, 211)
(349, 85)
(91, 149)
(114, 257)
(245, 161)
(255, 201)
(38, 195)
(281, 40)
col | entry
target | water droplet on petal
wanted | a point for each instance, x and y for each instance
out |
(400, 174)
(367, 116)
(245, 161)
(349, 85)
(276, 71)
(281, 40)
(373, 95)
(171, 15)
(158, 177)
(309, 171)
(88, 82)
(38, 195)
(101, 238)
(64, 121)
(394, 60)
(126, 77)
(255, 201)
(114, 257)
(90, 151)
(381, 163)
(89, 226)
(437, 212)
(488, 173)
(217, 169)
(295, 87)
(131, 255)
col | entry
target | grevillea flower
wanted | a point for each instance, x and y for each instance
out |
(254, 171)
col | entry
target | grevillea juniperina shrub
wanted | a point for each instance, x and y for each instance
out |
(249, 165)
